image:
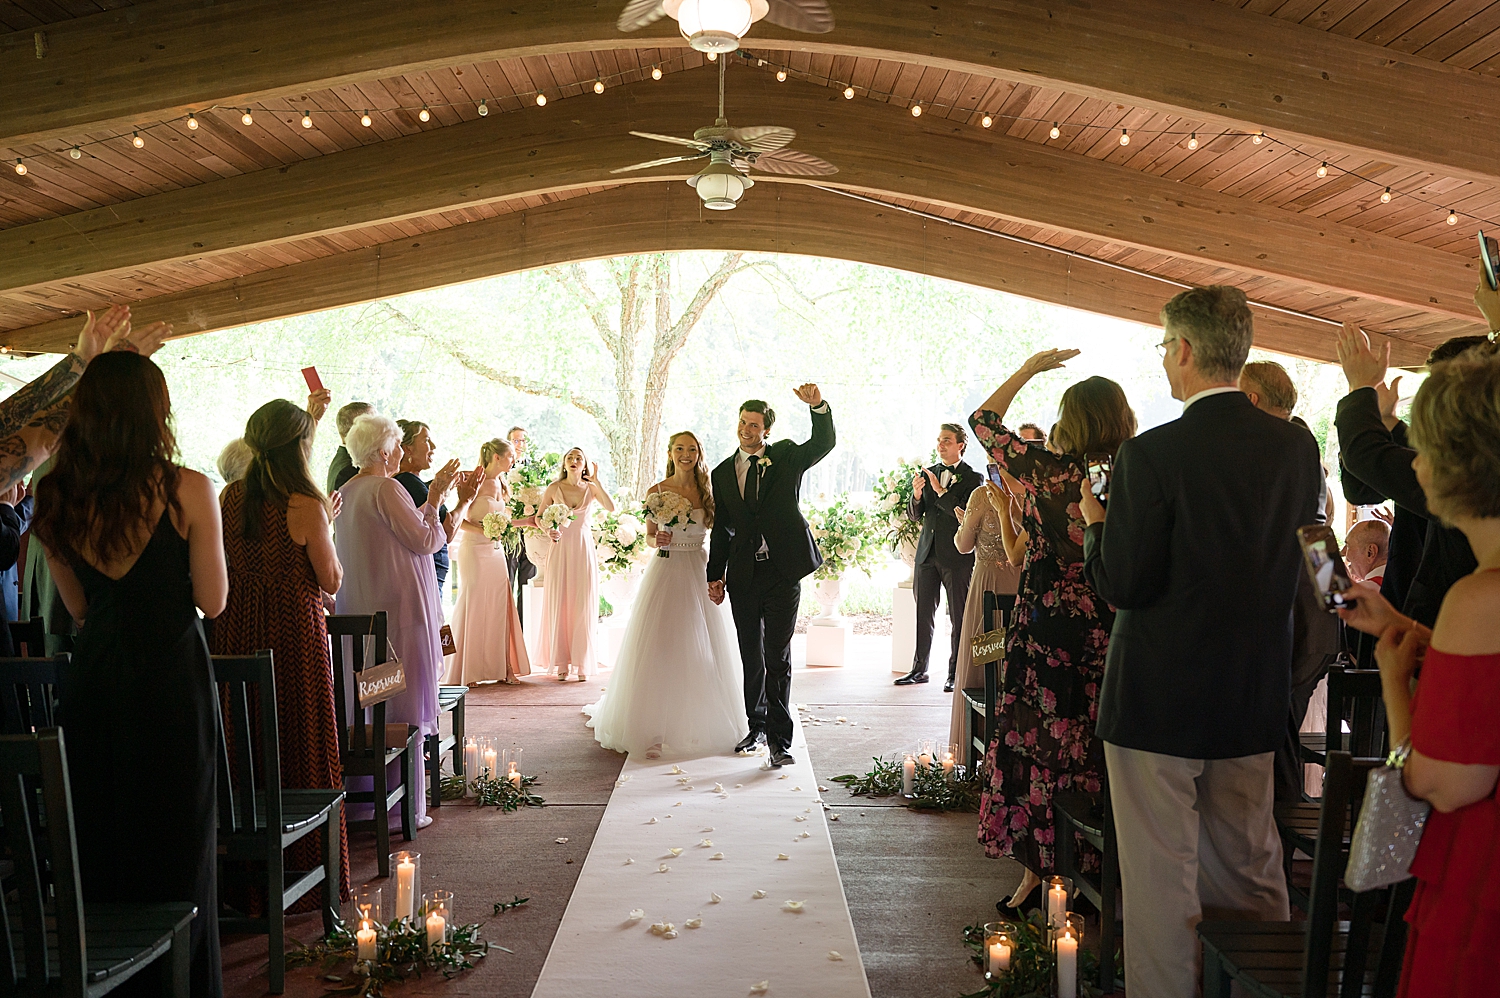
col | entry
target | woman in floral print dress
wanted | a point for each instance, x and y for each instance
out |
(1054, 662)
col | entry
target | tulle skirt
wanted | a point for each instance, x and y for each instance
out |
(677, 682)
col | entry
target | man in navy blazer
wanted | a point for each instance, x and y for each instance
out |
(1200, 558)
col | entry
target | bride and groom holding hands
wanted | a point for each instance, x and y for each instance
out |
(680, 685)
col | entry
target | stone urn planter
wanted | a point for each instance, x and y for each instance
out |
(828, 592)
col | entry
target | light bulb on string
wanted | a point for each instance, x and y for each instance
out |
(75, 153)
(1258, 138)
(365, 120)
(916, 110)
(306, 119)
(541, 100)
(20, 168)
(986, 121)
(848, 93)
(192, 121)
(1385, 196)
(1055, 131)
(1193, 141)
(781, 76)
(598, 86)
(424, 114)
(247, 118)
(1322, 170)
(1124, 137)
(1452, 217)
(713, 57)
(656, 72)
(137, 141)
(484, 108)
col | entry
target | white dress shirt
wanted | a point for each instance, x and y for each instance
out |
(1207, 392)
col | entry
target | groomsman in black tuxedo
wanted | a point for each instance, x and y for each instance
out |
(520, 568)
(759, 552)
(937, 493)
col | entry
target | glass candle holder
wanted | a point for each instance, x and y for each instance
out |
(510, 763)
(489, 759)
(471, 764)
(1067, 941)
(999, 948)
(406, 868)
(1057, 898)
(438, 918)
(950, 761)
(908, 774)
(925, 754)
(364, 906)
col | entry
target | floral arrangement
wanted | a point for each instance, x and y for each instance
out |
(892, 498)
(525, 502)
(402, 952)
(496, 525)
(619, 540)
(535, 472)
(1032, 962)
(555, 517)
(667, 510)
(847, 535)
(931, 788)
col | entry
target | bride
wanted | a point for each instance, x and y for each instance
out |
(678, 688)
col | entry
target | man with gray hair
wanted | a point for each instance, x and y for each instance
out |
(1200, 557)
(342, 468)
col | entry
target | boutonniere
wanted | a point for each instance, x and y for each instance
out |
(765, 462)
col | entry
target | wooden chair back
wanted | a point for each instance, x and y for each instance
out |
(29, 637)
(1354, 698)
(38, 806)
(363, 729)
(28, 693)
(1343, 786)
(247, 703)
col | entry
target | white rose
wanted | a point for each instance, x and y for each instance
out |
(626, 520)
(625, 535)
(513, 477)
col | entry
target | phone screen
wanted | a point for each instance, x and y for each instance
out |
(993, 470)
(1489, 259)
(1320, 552)
(314, 383)
(1099, 470)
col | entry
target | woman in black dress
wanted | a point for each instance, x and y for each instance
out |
(1054, 656)
(135, 544)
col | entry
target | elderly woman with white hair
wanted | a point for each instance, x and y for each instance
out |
(385, 543)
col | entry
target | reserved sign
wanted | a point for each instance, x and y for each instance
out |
(380, 682)
(989, 646)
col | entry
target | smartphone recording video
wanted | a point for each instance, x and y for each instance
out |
(1100, 467)
(1320, 552)
(1489, 260)
(993, 470)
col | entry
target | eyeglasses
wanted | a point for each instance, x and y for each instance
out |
(1161, 348)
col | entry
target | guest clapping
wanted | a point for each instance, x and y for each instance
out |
(417, 449)
(385, 543)
(1054, 658)
(1453, 720)
(1199, 555)
(570, 589)
(278, 541)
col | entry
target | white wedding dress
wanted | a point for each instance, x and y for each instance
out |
(678, 685)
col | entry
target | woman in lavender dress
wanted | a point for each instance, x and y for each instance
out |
(385, 543)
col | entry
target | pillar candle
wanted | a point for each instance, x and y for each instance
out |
(948, 767)
(489, 763)
(1057, 905)
(436, 923)
(406, 875)
(999, 957)
(514, 778)
(471, 765)
(908, 775)
(1067, 966)
(365, 937)
(925, 759)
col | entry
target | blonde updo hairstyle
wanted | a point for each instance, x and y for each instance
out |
(491, 449)
(1455, 426)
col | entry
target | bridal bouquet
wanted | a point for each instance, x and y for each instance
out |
(892, 496)
(525, 502)
(667, 510)
(555, 517)
(619, 539)
(496, 525)
(848, 536)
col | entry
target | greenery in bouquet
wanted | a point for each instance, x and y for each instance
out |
(847, 535)
(525, 502)
(496, 525)
(556, 516)
(666, 509)
(619, 539)
(892, 497)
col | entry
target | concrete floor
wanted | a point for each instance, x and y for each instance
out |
(913, 879)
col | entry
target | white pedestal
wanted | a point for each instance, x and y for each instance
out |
(611, 635)
(827, 642)
(903, 629)
(531, 610)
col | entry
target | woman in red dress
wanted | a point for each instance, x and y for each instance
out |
(278, 542)
(1453, 719)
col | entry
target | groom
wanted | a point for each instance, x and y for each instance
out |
(760, 536)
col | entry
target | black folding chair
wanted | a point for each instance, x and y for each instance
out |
(28, 693)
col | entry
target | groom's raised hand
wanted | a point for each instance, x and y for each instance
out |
(810, 394)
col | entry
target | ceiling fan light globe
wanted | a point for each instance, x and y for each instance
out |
(715, 25)
(720, 186)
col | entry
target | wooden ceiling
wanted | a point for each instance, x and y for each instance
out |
(1231, 190)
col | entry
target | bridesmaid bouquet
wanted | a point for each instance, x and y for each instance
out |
(667, 510)
(495, 525)
(555, 517)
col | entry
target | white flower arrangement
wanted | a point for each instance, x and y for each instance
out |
(619, 540)
(555, 517)
(848, 537)
(524, 503)
(893, 491)
(667, 510)
(495, 525)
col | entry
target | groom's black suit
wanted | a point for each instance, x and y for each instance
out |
(765, 588)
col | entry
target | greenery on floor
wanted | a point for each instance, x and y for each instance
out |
(489, 792)
(1031, 962)
(931, 790)
(402, 952)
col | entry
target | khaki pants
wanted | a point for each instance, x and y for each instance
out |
(1197, 840)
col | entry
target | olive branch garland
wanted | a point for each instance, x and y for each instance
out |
(492, 791)
(402, 951)
(1031, 962)
(931, 788)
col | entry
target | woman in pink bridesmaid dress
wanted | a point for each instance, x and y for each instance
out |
(570, 587)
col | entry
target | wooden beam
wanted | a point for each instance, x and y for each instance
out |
(878, 149)
(655, 217)
(135, 65)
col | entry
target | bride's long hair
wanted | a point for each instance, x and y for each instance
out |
(700, 473)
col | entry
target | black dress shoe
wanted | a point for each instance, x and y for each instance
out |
(748, 743)
(781, 757)
(912, 678)
(948, 686)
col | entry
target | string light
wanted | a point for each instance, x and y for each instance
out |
(484, 108)
(307, 119)
(1124, 137)
(247, 117)
(1452, 217)
(1258, 138)
(1322, 170)
(986, 121)
(713, 57)
(192, 121)
(424, 114)
(75, 153)
(365, 119)
(1385, 196)
(20, 168)
(916, 110)
(656, 72)
(137, 141)
(1055, 131)
(598, 86)
(1193, 141)
(848, 93)
(541, 100)
(781, 76)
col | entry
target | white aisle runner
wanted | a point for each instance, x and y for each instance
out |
(742, 940)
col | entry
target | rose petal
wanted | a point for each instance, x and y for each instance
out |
(760, 987)
(706, 844)
(663, 868)
(563, 841)
(786, 776)
(693, 923)
(738, 786)
(676, 770)
(713, 898)
(718, 788)
(800, 817)
(796, 789)
(805, 835)
(650, 821)
(678, 804)
(833, 817)
(717, 855)
(782, 855)
(708, 829)
(758, 895)
(793, 905)
(834, 954)
(628, 861)
(669, 934)
(822, 790)
(636, 914)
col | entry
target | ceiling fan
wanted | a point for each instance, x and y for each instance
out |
(718, 25)
(732, 153)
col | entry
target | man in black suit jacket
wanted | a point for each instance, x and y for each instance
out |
(1200, 559)
(763, 548)
(937, 493)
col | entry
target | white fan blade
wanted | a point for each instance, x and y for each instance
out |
(762, 138)
(658, 162)
(639, 13)
(794, 164)
(690, 143)
(811, 16)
